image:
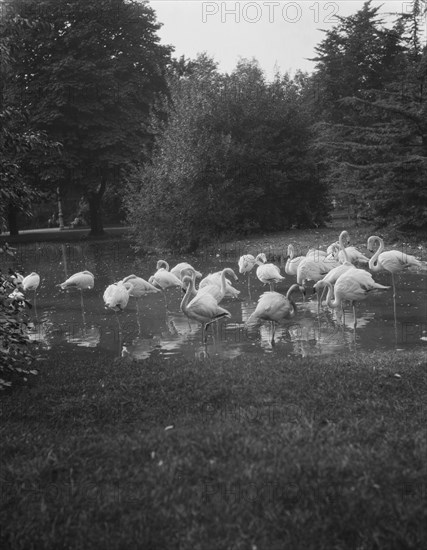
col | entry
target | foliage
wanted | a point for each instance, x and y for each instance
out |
(373, 135)
(20, 141)
(232, 157)
(88, 77)
(15, 356)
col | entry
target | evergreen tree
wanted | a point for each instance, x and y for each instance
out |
(376, 145)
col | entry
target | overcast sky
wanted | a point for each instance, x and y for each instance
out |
(278, 34)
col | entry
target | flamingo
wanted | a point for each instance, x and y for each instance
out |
(164, 279)
(268, 273)
(292, 262)
(116, 296)
(332, 248)
(247, 262)
(310, 269)
(179, 267)
(275, 307)
(84, 280)
(392, 261)
(316, 254)
(354, 285)
(140, 288)
(218, 292)
(215, 279)
(203, 308)
(333, 275)
(353, 254)
(31, 282)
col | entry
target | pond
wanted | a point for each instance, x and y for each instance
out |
(60, 322)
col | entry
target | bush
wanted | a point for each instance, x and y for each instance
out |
(15, 356)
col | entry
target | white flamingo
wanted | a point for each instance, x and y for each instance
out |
(246, 263)
(392, 261)
(215, 279)
(164, 279)
(292, 262)
(203, 309)
(140, 287)
(316, 254)
(268, 273)
(333, 275)
(353, 255)
(116, 296)
(31, 282)
(84, 280)
(274, 307)
(179, 267)
(218, 292)
(311, 269)
(353, 285)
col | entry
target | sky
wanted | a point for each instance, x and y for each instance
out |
(280, 35)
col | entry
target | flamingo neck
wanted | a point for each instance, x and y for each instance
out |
(259, 260)
(342, 247)
(164, 264)
(292, 289)
(334, 303)
(373, 264)
(190, 290)
(291, 252)
(223, 282)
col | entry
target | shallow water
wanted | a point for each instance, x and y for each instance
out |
(147, 328)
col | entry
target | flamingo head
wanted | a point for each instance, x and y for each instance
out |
(162, 263)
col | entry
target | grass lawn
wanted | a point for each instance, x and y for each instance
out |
(278, 454)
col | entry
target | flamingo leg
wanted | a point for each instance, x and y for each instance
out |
(137, 317)
(81, 299)
(273, 331)
(354, 314)
(166, 300)
(120, 333)
(394, 286)
(395, 319)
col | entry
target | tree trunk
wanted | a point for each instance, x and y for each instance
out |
(12, 219)
(95, 199)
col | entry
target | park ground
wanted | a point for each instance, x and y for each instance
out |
(311, 453)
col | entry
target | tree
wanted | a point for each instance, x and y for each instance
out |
(20, 141)
(88, 81)
(231, 157)
(374, 133)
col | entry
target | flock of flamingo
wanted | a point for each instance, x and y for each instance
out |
(334, 270)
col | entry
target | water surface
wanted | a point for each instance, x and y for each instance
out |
(148, 328)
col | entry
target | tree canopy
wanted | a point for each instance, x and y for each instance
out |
(232, 157)
(88, 78)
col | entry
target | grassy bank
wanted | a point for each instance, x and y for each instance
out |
(325, 453)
